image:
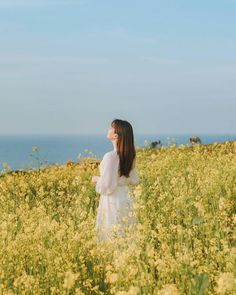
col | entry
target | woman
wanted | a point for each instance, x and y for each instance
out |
(117, 171)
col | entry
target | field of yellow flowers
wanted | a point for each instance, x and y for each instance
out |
(184, 243)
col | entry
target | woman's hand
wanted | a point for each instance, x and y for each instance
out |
(94, 179)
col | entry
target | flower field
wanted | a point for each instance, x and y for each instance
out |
(184, 242)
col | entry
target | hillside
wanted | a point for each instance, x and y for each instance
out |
(185, 241)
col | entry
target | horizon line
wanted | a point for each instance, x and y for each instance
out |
(102, 134)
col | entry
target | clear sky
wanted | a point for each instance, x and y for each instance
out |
(166, 66)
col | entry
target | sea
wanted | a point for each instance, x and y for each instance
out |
(23, 152)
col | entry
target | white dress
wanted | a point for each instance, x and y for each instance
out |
(115, 209)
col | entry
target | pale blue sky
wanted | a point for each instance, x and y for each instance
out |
(72, 66)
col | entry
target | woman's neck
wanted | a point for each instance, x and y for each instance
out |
(114, 145)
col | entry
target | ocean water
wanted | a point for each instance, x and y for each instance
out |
(16, 150)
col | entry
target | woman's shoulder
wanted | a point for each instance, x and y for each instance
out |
(110, 155)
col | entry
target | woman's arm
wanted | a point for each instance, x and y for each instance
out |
(134, 177)
(107, 182)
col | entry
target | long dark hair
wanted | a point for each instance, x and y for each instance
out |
(125, 145)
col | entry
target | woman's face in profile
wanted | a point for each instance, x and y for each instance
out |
(111, 133)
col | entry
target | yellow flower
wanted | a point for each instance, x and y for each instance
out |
(113, 278)
(226, 282)
(70, 279)
(34, 148)
(169, 289)
(133, 290)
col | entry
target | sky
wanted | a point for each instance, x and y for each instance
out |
(71, 67)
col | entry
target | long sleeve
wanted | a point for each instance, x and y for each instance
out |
(108, 180)
(134, 177)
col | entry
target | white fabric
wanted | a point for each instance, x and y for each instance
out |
(115, 210)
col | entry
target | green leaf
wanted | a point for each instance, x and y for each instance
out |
(197, 220)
